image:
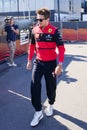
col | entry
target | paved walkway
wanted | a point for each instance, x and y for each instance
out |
(70, 108)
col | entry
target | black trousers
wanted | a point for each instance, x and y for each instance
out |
(43, 68)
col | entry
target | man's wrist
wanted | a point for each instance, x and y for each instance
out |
(60, 63)
(29, 61)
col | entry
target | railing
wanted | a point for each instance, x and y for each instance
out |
(72, 31)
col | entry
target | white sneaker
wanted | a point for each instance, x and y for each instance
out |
(9, 64)
(49, 110)
(13, 64)
(36, 119)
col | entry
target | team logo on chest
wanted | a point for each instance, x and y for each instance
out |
(49, 30)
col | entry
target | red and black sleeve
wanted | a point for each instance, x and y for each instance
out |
(31, 47)
(60, 45)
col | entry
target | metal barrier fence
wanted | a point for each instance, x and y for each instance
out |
(72, 31)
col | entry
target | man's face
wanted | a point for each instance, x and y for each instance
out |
(42, 21)
(12, 21)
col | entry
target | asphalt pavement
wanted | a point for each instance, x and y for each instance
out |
(70, 108)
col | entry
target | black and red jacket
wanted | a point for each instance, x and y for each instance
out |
(44, 42)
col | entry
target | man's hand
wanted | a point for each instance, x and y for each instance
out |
(16, 31)
(29, 65)
(12, 28)
(3, 32)
(58, 70)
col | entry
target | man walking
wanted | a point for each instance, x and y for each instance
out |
(44, 40)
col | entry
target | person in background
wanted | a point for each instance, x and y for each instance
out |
(45, 39)
(11, 30)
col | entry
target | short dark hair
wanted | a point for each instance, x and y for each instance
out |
(44, 11)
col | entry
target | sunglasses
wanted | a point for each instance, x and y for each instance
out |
(41, 20)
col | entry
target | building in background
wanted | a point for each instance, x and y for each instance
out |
(61, 10)
(69, 10)
(84, 10)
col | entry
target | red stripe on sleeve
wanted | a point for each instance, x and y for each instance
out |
(61, 50)
(31, 51)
